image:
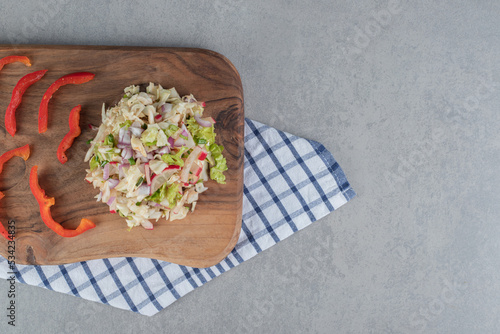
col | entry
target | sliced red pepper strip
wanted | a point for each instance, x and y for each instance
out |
(23, 152)
(14, 59)
(73, 78)
(45, 202)
(4, 233)
(74, 131)
(17, 96)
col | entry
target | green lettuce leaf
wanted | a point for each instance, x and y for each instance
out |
(94, 163)
(148, 137)
(127, 124)
(220, 166)
(171, 130)
(170, 193)
(206, 135)
(110, 140)
(174, 159)
(159, 195)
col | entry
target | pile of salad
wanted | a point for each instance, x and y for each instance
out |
(152, 154)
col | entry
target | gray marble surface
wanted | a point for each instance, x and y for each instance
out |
(405, 94)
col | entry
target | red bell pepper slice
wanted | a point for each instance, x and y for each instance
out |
(23, 152)
(73, 78)
(74, 131)
(14, 59)
(45, 202)
(17, 96)
(4, 232)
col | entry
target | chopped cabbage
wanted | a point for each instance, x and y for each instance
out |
(128, 163)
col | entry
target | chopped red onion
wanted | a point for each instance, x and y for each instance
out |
(99, 197)
(112, 204)
(163, 150)
(166, 108)
(136, 131)
(202, 122)
(121, 133)
(136, 124)
(111, 200)
(105, 173)
(171, 141)
(113, 183)
(144, 190)
(150, 156)
(179, 142)
(121, 174)
(123, 138)
(138, 155)
(127, 153)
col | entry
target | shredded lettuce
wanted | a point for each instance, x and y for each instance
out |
(148, 137)
(94, 163)
(174, 159)
(217, 171)
(164, 192)
(173, 195)
(171, 130)
(97, 153)
(110, 140)
(159, 195)
(127, 124)
(200, 133)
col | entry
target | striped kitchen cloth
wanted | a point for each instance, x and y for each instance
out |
(289, 182)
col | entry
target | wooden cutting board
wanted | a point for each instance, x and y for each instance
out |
(203, 239)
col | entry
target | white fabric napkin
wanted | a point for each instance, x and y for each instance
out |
(289, 182)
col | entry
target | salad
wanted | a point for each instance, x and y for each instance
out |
(152, 155)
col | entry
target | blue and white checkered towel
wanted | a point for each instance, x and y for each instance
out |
(290, 182)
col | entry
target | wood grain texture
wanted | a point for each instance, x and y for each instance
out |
(203, 239)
